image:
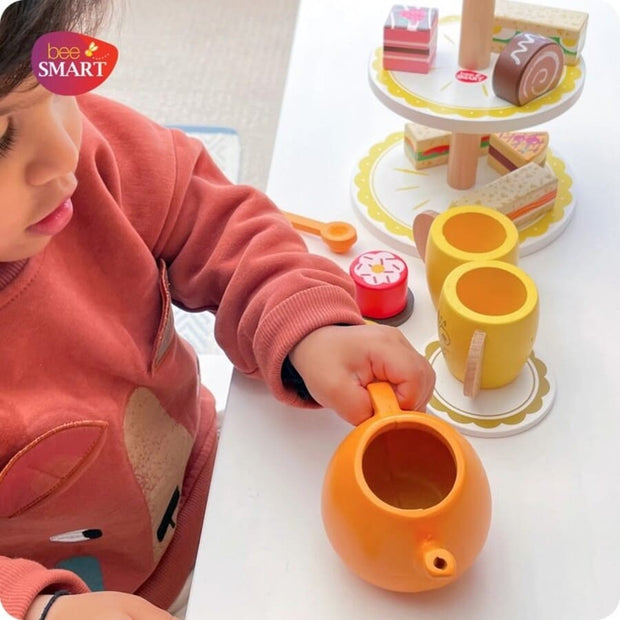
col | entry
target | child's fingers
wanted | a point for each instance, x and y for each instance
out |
(413, 379)
(352, 403)
(416, 390)
(415, 395)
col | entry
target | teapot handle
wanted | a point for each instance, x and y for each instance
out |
(384, 401)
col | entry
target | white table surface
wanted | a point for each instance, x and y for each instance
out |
(554, 544)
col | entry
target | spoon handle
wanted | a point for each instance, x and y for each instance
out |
(304, 223)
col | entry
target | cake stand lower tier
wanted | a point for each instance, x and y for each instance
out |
(388, 192)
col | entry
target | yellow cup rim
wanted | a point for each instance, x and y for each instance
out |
(511, 241)
(449, 292)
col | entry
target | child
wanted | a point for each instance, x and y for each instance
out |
(108, 440)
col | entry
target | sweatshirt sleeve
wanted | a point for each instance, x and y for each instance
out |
(230, 250)
(227, 247)
(21, 581)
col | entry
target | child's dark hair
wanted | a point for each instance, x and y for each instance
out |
(25, 21)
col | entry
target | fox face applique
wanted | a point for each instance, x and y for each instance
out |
(79, 495)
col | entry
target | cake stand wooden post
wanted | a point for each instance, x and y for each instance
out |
(474, 54)
(476, 34)
(463, 160)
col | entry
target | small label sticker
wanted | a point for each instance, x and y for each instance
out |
(466, 75)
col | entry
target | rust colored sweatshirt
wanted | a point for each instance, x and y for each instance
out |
(107, 438)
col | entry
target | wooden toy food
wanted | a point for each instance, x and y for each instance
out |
(512, 149)
(487, 319)
(406, 502)
(338, 236)
(410, 38)
(460, 235)
(380, 279)
(566, 27)
(523, 195)
(528, 67)
(426, 147)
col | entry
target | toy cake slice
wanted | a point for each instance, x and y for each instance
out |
(426, 147)
(524, 195)
(566, 27)
(511, 150)
(410, 38)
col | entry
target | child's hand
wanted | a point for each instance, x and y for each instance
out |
(337, 363)
(98, 606)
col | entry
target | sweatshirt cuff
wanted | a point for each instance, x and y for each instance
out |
(291, 379)
(21, 581)
(302, 313)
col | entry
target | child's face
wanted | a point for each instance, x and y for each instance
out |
(40, 136)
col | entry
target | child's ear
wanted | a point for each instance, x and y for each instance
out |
(51, 462)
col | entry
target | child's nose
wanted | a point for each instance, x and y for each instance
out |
(56, 154)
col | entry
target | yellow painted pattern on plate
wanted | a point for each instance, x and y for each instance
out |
(533, 404)
(366, 194)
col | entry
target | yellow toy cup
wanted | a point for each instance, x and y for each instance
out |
(487, 321)
(463, 234)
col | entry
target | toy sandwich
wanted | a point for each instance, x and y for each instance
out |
(524, 195)
(511, 150)
(426, 147)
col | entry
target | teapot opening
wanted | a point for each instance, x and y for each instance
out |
(409, 467)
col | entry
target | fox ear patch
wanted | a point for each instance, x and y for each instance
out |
(48, 464)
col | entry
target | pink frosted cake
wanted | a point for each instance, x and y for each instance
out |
(410, 39)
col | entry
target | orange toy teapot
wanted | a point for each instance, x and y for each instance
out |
(406, 502)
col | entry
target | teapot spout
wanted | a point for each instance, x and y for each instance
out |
(439, 563)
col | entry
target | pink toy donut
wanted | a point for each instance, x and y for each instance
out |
(529, 66)
(380, 283)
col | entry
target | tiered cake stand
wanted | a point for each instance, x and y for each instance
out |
(388, 193)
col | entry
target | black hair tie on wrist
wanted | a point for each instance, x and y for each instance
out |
(49, 604)
(292, 379)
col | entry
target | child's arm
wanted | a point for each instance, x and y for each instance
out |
(336, 363)
(272, 296)
(226, 247)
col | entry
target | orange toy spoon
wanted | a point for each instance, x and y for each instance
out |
(338, 236)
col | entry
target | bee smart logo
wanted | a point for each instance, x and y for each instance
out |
(69, 63)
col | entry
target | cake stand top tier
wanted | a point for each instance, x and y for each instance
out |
(463, 101)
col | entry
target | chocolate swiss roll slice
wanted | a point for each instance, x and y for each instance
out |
(529, 66)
